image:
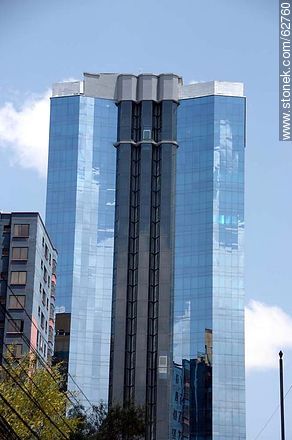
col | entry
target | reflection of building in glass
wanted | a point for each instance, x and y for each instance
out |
(178, 260)
(62, 341)
(192, 395)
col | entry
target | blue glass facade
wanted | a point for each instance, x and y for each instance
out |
(80, 219)
(204, 385)
(208, 373)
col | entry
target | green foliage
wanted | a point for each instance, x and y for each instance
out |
(40, 385)
(123, 423)
(119, 423)
(89, 423)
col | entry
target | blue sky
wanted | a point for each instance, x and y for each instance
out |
(43, 42)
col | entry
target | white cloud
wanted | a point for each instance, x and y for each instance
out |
(24, 132)
(268, 330)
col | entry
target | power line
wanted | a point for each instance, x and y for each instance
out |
(38, 388)
(271, 417)
(36, 403)
(19, 416)
(29, 317)
(30, 346)
(7, 429)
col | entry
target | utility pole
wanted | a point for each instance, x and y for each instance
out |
(282, 396)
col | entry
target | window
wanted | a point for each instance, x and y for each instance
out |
(146, 135)
(46, 252)
(50, 259)
(15, 326)
(46, 327)
(21, 231)
(49, 281)
(44, 298)
(45, 275)
(5, 252)
(47, 303)
(19, 253)
(16, 302)
(41, 287)
(42, 320)
(15, 350)
(42, 264)
(6, 228)
(3, 276)
(39, 311)
(18, 278)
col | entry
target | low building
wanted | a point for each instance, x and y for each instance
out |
(27, 286)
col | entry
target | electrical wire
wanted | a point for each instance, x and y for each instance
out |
(29, 317)
(34, 400)
(19, 416)
(33, 350)
(38, 388)
(7, 429)
(271, 417)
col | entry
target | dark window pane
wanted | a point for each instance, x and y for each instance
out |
(15, 326)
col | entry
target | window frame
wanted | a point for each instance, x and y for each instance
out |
(14, 248)
(20, 227)
(18, 272)
(18, 307)
(21, 321)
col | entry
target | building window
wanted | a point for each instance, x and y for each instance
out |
(20, 253)
(21, 231)
(146, 135)
(41, 287)
(49, 281)
(6, 228)
(46, 252)
(39, 311)
(45, 275)
(3, 276)
(42, 264)
(42, 321)
(15, 326)
(5, 252)
(50, 259)
(47, 303)
(44, 298)
(15, 350)
(16, 302)
(18, 278)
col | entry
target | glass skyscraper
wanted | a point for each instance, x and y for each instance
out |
(208, 377)
(145, 206)
(80, 216)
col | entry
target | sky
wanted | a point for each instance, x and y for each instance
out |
(44, 42)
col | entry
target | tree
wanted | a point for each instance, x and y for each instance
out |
(89, 423)
(35, 394)
(118, 423)
(123, 423)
